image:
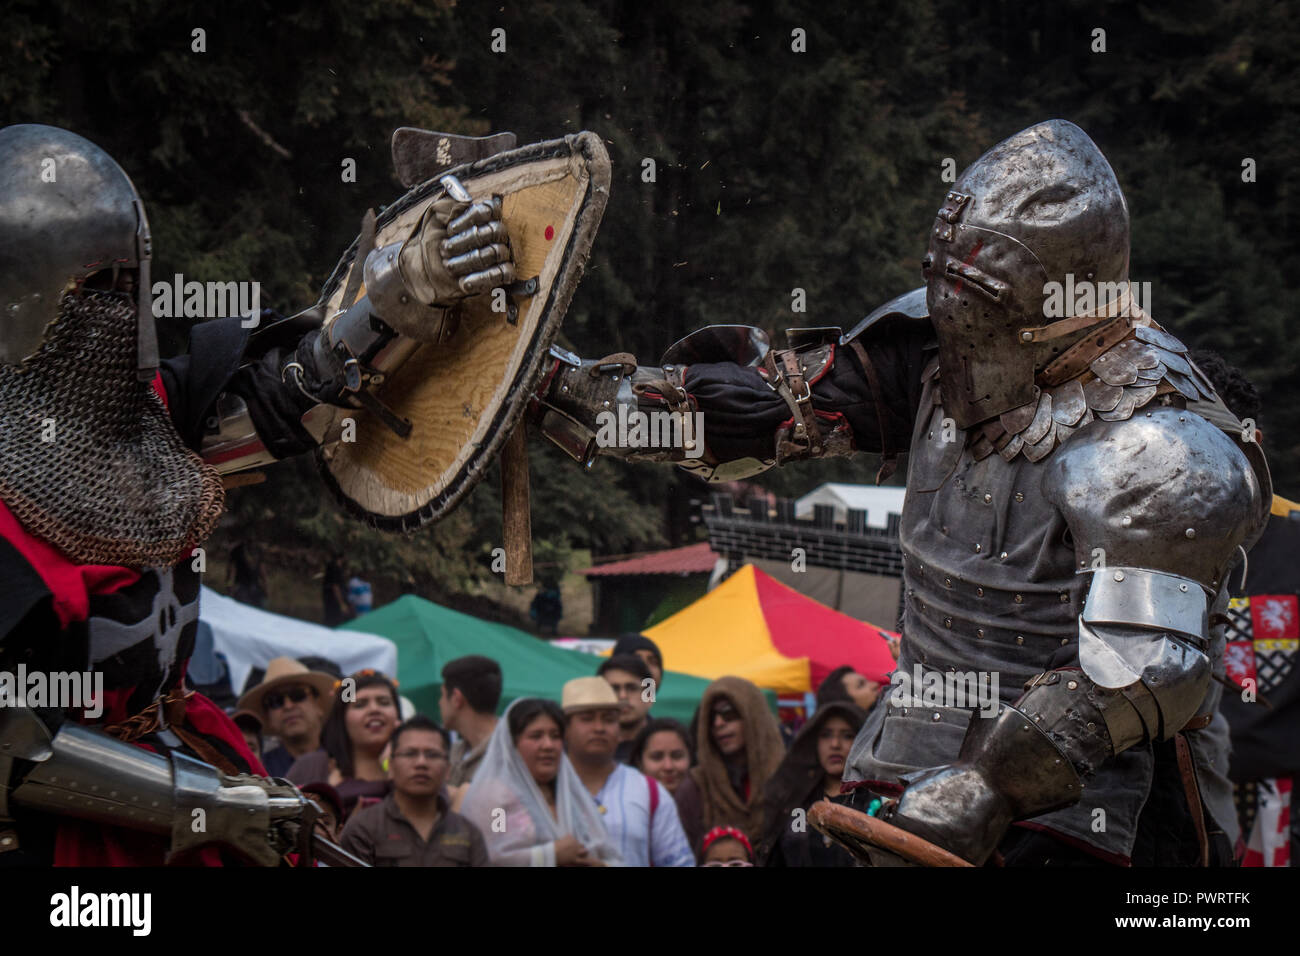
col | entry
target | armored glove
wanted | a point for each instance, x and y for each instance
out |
(1008, 769)
(460, 249)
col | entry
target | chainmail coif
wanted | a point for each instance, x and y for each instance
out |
(89, 459)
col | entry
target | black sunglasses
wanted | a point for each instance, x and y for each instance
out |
(275, 699)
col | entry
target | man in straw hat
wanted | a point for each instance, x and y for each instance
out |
(638, 813)
(291, 700)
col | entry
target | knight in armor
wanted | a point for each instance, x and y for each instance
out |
(111, 466)
(1077, 495)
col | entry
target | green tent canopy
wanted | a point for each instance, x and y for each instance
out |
(428, 635)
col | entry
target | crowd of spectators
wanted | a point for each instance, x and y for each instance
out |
(593, 779)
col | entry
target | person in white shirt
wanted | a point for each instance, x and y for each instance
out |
(638, 812)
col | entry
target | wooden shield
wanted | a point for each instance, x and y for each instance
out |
(465, 396)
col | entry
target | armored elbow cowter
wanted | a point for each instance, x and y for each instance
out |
(81, 773)
(1159, 555)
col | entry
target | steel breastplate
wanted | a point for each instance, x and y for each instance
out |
(990, 588)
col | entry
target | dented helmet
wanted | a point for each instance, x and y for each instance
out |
(1040, 206)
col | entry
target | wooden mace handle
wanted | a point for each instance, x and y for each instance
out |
(516, 516)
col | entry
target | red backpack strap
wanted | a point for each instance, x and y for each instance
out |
(654, 805)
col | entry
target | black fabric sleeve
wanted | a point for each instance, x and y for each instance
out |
(275, 406)
(194, 380)
(213, 365)
(742, 414)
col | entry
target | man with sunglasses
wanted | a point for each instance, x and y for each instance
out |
(292, 701)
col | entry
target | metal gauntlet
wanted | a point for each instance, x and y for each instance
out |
(612, 406)
(87, 775)
(765, 407)
(1008, 769)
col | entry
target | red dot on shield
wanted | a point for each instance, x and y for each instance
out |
(550, 233)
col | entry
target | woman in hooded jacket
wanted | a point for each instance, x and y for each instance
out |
(738, 745)
(811, 771)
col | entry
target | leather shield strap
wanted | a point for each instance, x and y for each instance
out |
(890, 456)
(1075, 360)
(1123, 305)
(787, 380)
(173, 706)
(1187, 770)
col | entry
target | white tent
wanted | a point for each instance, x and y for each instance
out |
(249, 637)
(878, 502)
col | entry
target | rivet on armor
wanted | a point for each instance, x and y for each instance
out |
(978, 547)
(1026, 336)
(1073, 685)
(979, 592)
(1182, 418)
(606, 404)
(1020, 496)
(617, 378)
(1003, 555)
(947, 582)
(1065, 597)
(1091, 726)
(947, 622)
(936, 716)
(1064, 641)
(1025, 727)
(1190, 532)
(979, 632)
(1020, 639)
(1119, 575)
(1183, 588)
(1126, 521)
(564, 388)
(1019, 599)
(988, 498)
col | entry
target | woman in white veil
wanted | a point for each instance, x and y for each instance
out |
(527, 800)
